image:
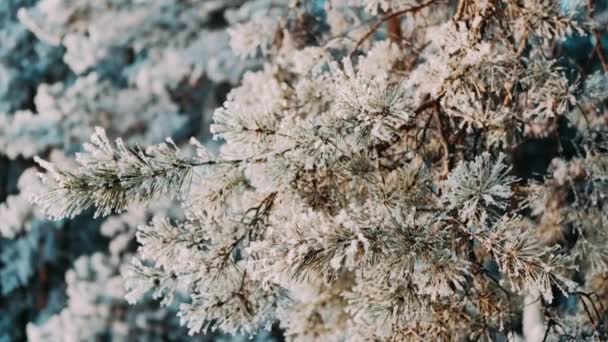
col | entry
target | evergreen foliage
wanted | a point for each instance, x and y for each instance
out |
(372, 182)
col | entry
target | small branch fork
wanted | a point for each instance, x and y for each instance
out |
(597, 325)
(388, 17)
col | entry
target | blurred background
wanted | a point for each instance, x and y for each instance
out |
(143, 70)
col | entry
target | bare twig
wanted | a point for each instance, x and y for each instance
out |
(595, 310)
(599, 49)
(444, 141)
(394, 30)
(546, 335)
(460, 10)
(388, 17)
(589, 314)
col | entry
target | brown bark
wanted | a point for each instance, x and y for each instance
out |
(394, 30)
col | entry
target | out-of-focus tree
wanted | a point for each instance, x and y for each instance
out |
(144, 70)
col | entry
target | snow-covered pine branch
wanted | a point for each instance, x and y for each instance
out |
(112, 176)
(384, 191)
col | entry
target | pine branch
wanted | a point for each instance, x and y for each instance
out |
(389, 17)
(110, 178)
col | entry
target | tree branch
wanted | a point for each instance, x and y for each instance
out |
(387, 17)
(599, 49)
(444, 141)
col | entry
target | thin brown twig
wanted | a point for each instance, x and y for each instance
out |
(394, 30)
(589, 314)
(546, 335)
(454, 138)
(460, 10)
(427, 104)
(445, 144)
(588, 297)
(426, 126)
(388, 17)
(599, 49)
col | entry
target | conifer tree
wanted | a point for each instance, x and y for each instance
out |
(378, 180)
